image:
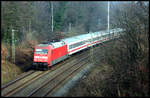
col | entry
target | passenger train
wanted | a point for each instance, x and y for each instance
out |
(47, 54)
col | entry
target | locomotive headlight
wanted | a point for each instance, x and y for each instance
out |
(42, 57)
(36, 57)
(38, 50)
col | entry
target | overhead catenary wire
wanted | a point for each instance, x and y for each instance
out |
(108, 17)
(91, 50)
(52, 14)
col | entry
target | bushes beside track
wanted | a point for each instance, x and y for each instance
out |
(23, 59)
(114, 75)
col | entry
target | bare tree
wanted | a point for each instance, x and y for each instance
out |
(128, 55)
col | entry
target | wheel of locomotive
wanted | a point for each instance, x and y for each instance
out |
(45, 68)
(48, 67)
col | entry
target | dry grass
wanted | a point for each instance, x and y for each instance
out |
(9, 71)
(4, 51)
(90, 85)
(23, 60)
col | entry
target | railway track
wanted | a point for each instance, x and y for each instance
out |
(19, 78)
(61, 79)
(29, 75)
(55, 80)
(24, 86)
(26, 79)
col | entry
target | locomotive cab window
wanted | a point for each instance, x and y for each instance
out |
(41, 51)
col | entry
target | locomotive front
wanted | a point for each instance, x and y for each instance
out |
(42, 56)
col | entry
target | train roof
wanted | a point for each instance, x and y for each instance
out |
(81, 37)
(76, 38)
(89, 35)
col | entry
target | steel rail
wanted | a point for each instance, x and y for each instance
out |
(54, 77)
(64, 78)
(19, 86)
(29, 73)
(34, 77)
(24, 84)
(19, 78)
(37, 89)
(48, 93)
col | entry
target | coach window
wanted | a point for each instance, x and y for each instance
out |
(70, 46)
(87, 41)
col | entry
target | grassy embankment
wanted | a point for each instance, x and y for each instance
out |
(23, 60)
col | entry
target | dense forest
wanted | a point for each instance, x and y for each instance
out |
(33, 19)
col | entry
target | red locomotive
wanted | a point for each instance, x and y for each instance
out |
(50, 53)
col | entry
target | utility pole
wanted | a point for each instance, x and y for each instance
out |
(69, 26)
(29, 26)
(13, 46)
(108, 19)
(52, 14)
(91, 50)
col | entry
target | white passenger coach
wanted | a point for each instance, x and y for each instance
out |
(83, 41)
